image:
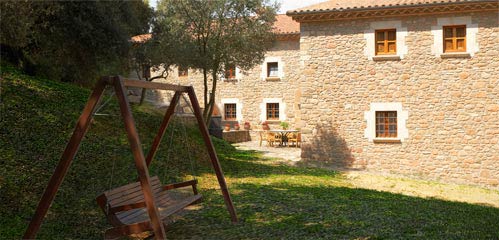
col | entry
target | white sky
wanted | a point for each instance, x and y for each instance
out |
(294, 4)
(285, 4)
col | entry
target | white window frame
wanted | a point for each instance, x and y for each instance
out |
(369, 35)
(472, 46)
(239, 106)
(370, 117)
(263, 109)
(280, 67)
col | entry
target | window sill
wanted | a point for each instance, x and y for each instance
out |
(272, 79)
(231, 80)
(387, 140)
(273, 121)
(455, 55)
(386, 58)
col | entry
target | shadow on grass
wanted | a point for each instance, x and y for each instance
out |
(250, 163)
(283, 211)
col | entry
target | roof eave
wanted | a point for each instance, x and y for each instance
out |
(385, 10)
(289, 36)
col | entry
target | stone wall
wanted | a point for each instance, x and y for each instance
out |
(236, 136)
(452, 103)
(330, 82)
(250, 88)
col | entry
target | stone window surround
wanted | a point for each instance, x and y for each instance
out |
(239, 106)
(280, 68)
(370, 117)
(237, 78)
(471, 39)
(263, 109)
(369, 35)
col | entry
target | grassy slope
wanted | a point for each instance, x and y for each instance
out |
(37, 118)
(273, 201)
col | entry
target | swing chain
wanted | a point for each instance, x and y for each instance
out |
(102, 105)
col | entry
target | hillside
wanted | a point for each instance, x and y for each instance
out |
(37, 118)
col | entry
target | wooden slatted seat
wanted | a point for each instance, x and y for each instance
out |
(126, 210)
(124, 206)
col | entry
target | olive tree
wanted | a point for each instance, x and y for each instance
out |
(73, 41)
(209, 35)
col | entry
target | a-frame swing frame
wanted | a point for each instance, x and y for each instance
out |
(141, 162)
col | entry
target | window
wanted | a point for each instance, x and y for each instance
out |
(272, 111)
(183, 71)
(272, 69)
(230, 111)
(386, 124)
(386, 42)
(230, 72)
(455, 38)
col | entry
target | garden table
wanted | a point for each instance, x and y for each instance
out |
(284, 134)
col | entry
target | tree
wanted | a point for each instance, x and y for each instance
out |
(144, 58)
(209, 35)
(149, 56)
(72, 41)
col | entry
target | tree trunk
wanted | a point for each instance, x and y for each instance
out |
(205, 95)
(142, 96)
(143, 93)
(211, 105)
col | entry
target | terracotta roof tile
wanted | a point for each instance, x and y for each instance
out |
(283, 25)
(338, 5)
(141, 38)
(286, 25)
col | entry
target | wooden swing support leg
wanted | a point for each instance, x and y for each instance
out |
(73, 145)
(66, 159)
(163, 127)
(140, 162)
(206, 137)
(213, 156)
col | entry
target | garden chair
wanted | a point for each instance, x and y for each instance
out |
(294, 138)
(272, 138)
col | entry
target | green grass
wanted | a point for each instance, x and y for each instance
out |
(274, 201)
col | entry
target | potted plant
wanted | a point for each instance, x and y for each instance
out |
(284, 125)
(247, 126)
(236, 126)
(265, 126)
(227, 127)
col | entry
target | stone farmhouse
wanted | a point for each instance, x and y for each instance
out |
(407, 87)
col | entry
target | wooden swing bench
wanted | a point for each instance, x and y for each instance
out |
(147, 204)
(125, 207)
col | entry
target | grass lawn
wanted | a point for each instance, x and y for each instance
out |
(276, 201)
(273, 200)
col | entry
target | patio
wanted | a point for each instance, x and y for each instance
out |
(292, 154)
